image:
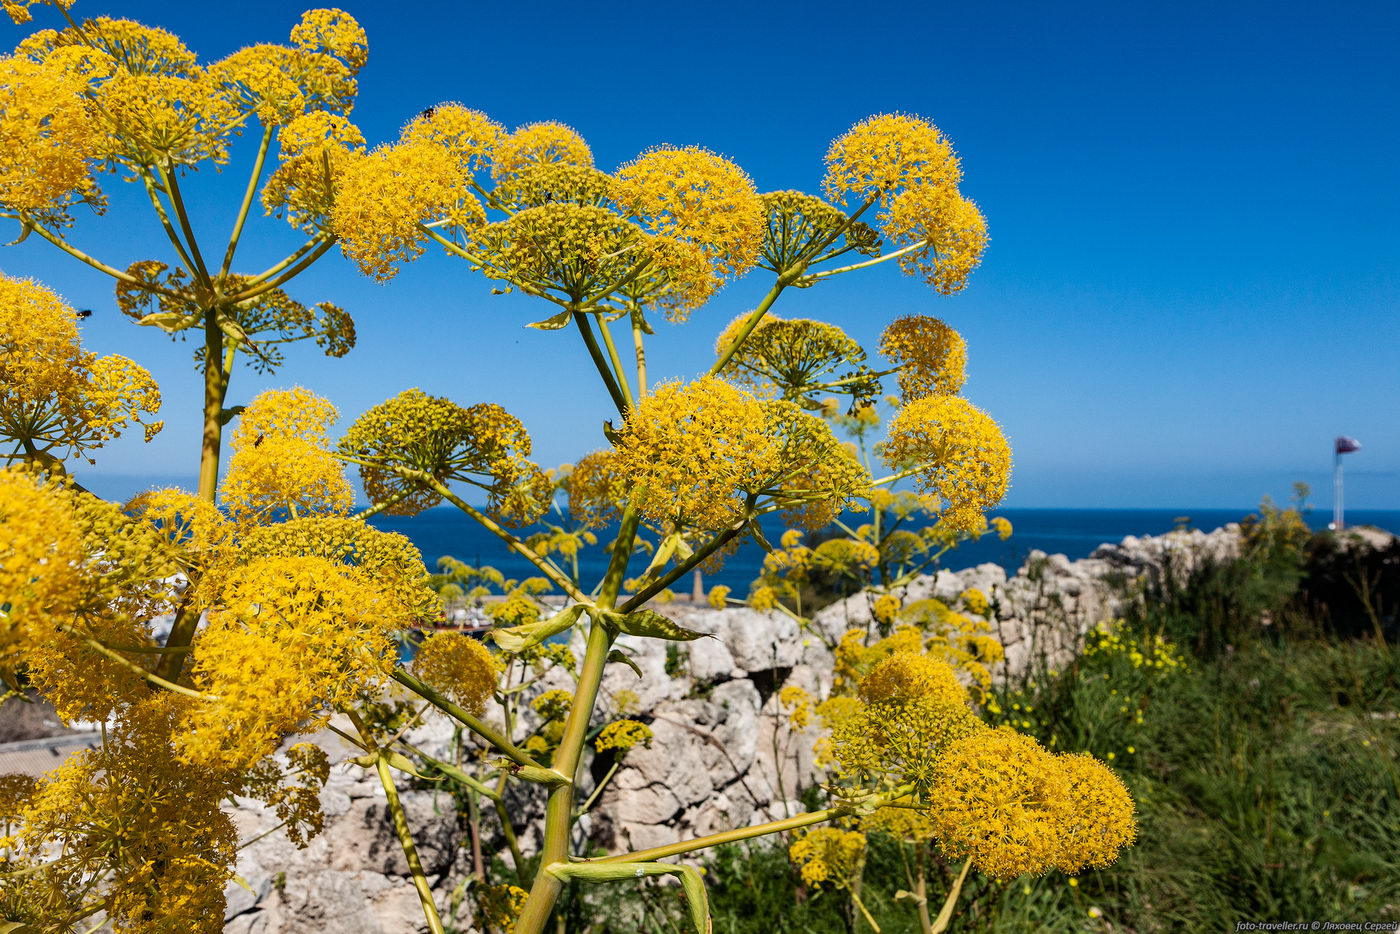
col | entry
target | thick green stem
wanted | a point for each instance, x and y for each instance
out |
(637, 343)
(600, 361)
(621, 375)
(559, 812)
(749, 324)
(215, 389)
(410, 852)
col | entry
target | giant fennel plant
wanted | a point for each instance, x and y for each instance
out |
(287, 605)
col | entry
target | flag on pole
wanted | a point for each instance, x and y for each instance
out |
(1347, 445)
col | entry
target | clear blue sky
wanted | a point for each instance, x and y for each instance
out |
(1194, 207)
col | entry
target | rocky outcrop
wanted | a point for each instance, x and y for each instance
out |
(722, 755)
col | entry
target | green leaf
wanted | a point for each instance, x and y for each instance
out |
(232, 329)
(16, 927)
(757, 534)
(398, 760)
(517, 639)
(697, 898)
(554, 322)
(167, 321)
(616, 656)
(229, 414)
(652, 625)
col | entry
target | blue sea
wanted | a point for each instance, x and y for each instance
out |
(1072, 532)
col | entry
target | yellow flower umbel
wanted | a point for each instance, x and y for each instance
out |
(691, 453)
(1097, 817)
(945, 232)
(536, 144)
(281, 466)
(56, 399)
(796, 359)
(932, 357)
(459, 666)
(956, 452)
(997, 798)
(829, 856)
(622, 735)
(887, 153)
(40, 548)
(412, 443)
(296, 638)
(698, 197)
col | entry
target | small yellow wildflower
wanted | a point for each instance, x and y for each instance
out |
(622, 735)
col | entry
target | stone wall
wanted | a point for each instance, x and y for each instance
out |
(722, 755)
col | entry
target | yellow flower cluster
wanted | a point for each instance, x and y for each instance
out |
(127, 828)
(888, 152)
(957, 453)
(908, 166)
(281, 466)
(539, 144)
(622, 735)
(718, 597)
(553, 704)
(1002, 527)
(414, 438)
(885, 608)
(461, 667)
(976, 602)
(798, 703)
(932, 357)
(698, 197)
(56, 399)
(906, 677)
(693, 452)
(593, 490)
(295, 639)
(499, 906)
(315, 149)
(1001, 799)
(829, 856)
(950, 232)
(1149, 651)
(49, 131)
(994, 796)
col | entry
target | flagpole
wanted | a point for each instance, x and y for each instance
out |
(1337, 491)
